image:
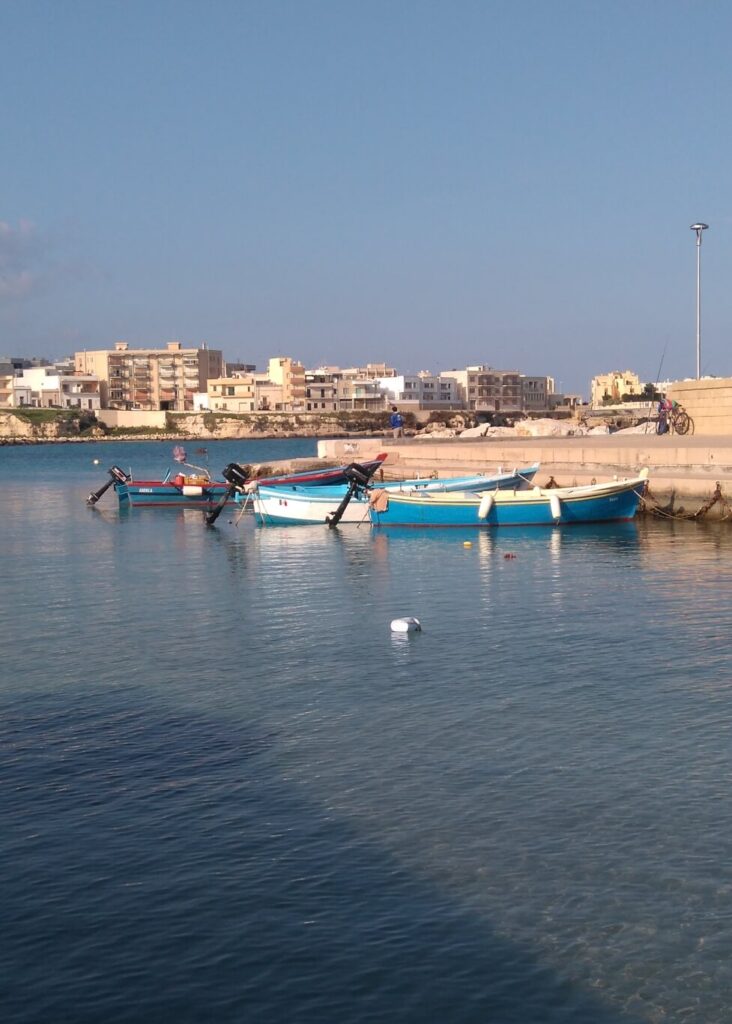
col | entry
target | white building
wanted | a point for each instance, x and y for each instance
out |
(427, 390)
(43, 388)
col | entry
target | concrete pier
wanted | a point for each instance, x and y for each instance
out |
(684, 471)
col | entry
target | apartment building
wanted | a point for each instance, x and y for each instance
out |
(289, 375)
(484, 389)
(536, 393)
(43, 387)
(610, 387)
(425, 389)
(151, 378)
(321, 391)
(236, 393)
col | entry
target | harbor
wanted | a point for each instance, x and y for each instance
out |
(683, 471)
(219, 752)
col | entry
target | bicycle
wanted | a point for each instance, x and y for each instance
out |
(675, 421)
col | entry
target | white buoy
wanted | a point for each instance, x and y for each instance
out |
(556, 506)
(406, 625)
(486, 504)
(96, 462)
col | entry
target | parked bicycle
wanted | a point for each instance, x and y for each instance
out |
(673, 418)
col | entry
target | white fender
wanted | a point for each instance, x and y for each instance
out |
(486, 504)
(556, 506)
(406, 625)
(191, 492)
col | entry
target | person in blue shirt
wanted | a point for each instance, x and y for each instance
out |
(396, 422)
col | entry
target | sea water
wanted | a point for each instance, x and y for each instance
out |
(229, 793)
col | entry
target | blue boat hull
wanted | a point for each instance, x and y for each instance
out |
(581, 505)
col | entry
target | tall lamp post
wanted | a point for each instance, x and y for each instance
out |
(698, 228)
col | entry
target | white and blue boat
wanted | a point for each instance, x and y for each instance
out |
(594, 503)
(295, 505)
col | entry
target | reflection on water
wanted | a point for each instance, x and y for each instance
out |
(220, 755)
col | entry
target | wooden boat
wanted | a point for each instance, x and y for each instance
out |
(197, 490)
(605, 502)
(294, 505)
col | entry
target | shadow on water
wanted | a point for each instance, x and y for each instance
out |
(158, 866)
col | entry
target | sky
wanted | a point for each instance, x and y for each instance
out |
(430, 184)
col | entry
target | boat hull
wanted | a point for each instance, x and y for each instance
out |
(303, 506)
(564, 506)
(281, 507)
(156, 494)
(186, 492)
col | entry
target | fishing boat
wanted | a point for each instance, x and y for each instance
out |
(196, 489)
(295, 505)
(593, 503)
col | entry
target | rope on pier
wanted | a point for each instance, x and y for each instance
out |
(668, 513)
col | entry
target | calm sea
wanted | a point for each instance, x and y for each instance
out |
(229, 794)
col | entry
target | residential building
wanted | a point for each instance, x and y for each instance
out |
(7, 376)
(290, 377)
(536, 393)
(371, 371)
(425, 389)
(45, 389)
(484, 389)
(321, 391)
(236, 393)
(610, 387)
(151, 378)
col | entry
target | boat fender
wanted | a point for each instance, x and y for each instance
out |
(189, 491)
(406, 625)
(556, 507)
(486, 504)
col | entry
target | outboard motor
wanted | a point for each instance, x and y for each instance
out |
(116, 476)
(358, 480)
(237, 476)
(358, 474)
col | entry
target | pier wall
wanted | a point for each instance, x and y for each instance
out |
(709, 403)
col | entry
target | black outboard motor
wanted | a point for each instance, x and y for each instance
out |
(358, 480)
(236, 477)
(116, 476)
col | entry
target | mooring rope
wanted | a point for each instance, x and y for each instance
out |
(667, 513)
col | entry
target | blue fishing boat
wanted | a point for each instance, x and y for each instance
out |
(193, 487)
(594, 503)
(295, 505)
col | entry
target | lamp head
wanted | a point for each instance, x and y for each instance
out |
(699, 227)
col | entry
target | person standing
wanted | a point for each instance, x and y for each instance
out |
(396, 422)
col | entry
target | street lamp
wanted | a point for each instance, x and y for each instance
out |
(698, 228)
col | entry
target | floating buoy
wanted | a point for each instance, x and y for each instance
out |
(486, 504)
(95, 461)
(467, 543)
(406, 625)
(509, 554)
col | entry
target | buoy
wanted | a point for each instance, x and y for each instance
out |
(96, 462)
(406, 625)
(509, 554)
(467, 543)
(486, 504)
(556, 506)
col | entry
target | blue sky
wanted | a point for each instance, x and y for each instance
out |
(433, 184)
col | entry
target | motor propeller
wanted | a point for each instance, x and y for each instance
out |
(116, 476)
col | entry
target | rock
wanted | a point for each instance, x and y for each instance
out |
(480, 431)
